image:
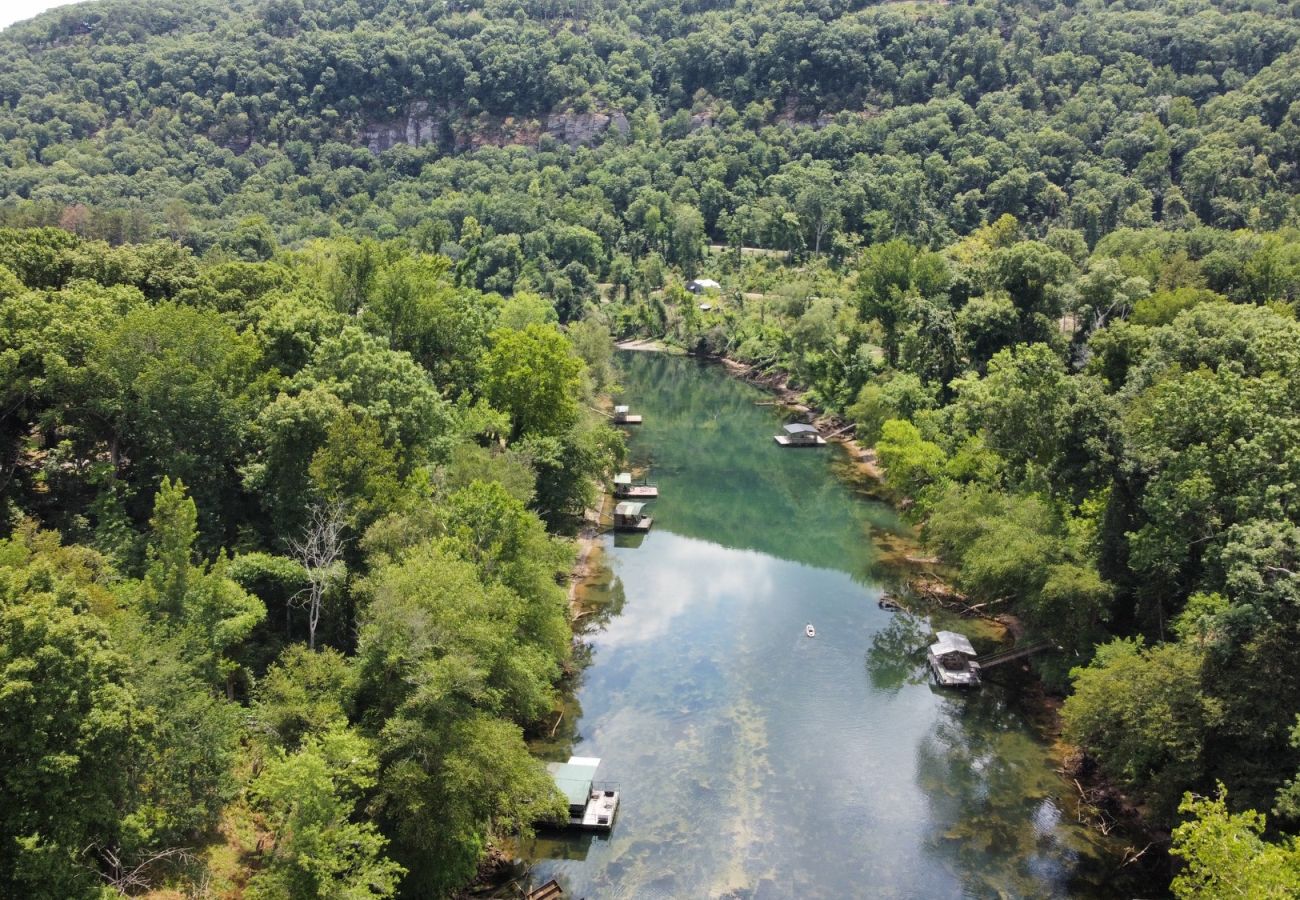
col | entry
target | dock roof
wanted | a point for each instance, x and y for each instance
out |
(951, 642)
(628, 509)
(623, 478)
(799, 428)
(620, 409)
(574, 777)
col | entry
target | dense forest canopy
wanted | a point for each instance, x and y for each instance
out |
(790, 126)
(305, 306)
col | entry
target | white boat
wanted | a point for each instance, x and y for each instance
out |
(809, 630)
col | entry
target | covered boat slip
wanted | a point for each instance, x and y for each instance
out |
(952, 659)
(623, 416)
(628, 516)
(591, 806)
(799, 435)
(626, 488)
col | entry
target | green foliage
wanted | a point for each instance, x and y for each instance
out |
(1143, 713)
(1163, 307)
(354, 467)
(901, 396)
(184, 774)
(304, 693)
(1071, 335)
(891, 279)
(68, 722)
(532, 374)
(442, 656)
(1225, 854)
(911, 462)
(1015, 549)
(308, 799)
(200, 603)
(1054, 430)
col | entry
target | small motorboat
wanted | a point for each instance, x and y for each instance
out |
(809, 630)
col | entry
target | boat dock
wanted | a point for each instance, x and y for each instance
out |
(592, 805)
(626, 489)
(623, 416)
(549, 891)
(799, 435)
(628, 516)
(953, 661)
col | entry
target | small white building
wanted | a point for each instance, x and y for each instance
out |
(700, 285)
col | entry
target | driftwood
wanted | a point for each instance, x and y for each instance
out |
(948, 597)
(1130, 857)
(1090, 811)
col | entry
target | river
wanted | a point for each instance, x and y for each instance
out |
(754, 761)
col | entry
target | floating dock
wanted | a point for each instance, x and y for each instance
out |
(549, 891)
(626, 489)
(623, 416)
(628, 516)
(799, 435)
(592, 806)
(953, 661)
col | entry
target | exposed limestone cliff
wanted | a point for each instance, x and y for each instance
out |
(425, 123)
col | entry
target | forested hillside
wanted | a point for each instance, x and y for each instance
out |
(304, 305)
(276, 577)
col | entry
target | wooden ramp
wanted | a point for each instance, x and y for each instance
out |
(549, 891)
(1006, 656)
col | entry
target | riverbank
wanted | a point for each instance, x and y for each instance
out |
(586, 562)
(698, 688)
(1096, 800)
(648, 346)
(777, 382)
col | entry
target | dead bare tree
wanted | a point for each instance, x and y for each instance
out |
(129, 877)
(320, 552)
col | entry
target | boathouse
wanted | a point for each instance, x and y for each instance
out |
(626, 488)
(592, 806)
(952, 659)
(623, 416)
(799, 435)
(628, 516)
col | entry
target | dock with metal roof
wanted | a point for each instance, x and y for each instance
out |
(797, 434)
(592, 806)
(629, 516)
(623, 416)
(627, 489)
(953, 660)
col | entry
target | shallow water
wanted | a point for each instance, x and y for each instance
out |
(754, 761)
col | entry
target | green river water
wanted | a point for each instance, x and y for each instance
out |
(754, 761)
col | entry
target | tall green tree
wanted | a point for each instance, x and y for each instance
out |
(533, 375)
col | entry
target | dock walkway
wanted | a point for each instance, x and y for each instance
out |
(1006, 656)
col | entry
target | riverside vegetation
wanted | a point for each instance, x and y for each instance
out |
(288, 412)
